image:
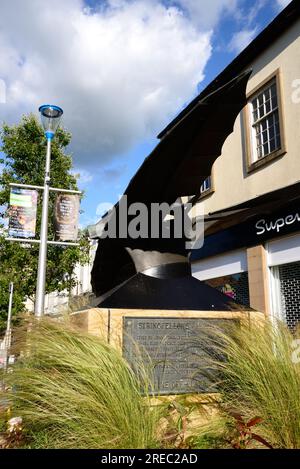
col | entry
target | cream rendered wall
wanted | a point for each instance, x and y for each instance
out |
(232, 184)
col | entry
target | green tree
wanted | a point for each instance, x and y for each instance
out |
(24, 149)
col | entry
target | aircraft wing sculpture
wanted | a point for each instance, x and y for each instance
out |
(144, 271)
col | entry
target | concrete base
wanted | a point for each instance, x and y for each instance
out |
(108, 324)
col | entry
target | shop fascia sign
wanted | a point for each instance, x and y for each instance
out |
(262, 226)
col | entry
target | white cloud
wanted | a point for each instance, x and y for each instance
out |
(84, 177)
(283, 3)
(119, 72)
(103, 208)
(241, 39)
(206, 14)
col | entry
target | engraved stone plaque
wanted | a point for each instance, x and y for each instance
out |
(174, 346)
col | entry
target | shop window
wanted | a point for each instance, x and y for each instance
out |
(264, 126)
(235, 286)
(289, 278)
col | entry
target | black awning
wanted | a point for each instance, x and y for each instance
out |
(259, 220)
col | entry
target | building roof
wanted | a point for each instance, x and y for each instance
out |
(264, 40)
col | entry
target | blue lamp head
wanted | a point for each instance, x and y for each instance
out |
(50, 116)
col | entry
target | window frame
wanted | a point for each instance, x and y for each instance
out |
(250, 147)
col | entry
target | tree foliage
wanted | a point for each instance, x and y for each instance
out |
(24, 149)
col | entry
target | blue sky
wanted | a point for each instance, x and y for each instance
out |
(121, 70)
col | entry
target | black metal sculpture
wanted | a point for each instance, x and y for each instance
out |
(154, 272)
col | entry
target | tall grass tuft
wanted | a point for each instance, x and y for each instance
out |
(75, 391)
(261, 377)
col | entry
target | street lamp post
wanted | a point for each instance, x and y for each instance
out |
(7, 337)
(50, 116)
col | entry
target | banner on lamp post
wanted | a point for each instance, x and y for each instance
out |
(22, 212)
(66, 215)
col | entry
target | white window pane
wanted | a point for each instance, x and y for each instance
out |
(261, 111)
(258, 140)
(274, 102)
(264, 125)
(259, 152)
(254, 104)
(273, 89)
(268, 106)
(278, 141)
(272, 145)
(264, 136)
